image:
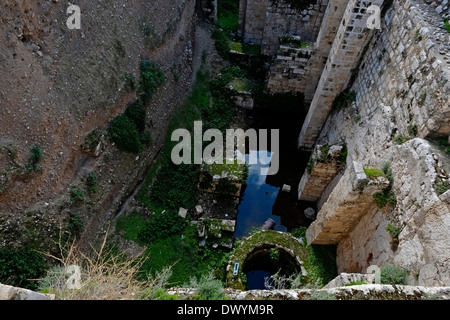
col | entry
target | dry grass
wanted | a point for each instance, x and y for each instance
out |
(105, 275)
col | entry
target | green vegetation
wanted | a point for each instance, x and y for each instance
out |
(228, 14)
(443, 144)
(442, 187)
(222, 42)
(393, 230)
(413, 130)
(151, 78)
(422, 98)
(293, 42)
(170, 240)
(373, 173)
(91, 182)
(319, 260)
(161, 226)
(386, 196)
(400, 139)
(344, 99)
(321, 265)
(356, 283)
(75, 224)
(174, 244)
(76, 196)
(208, 287)
(122, 131)
(36, 155)
(20, 267)
(127, 129)
(446, 24)
(391, 274)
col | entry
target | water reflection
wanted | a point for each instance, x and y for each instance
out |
(258, 199)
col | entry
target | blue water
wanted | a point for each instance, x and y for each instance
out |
(257, 201)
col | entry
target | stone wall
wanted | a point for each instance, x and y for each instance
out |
(263, 22)
(288, 70)
(402, 94)
(347, 47)
(313, 183)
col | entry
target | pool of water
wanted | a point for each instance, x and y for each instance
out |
(263, 197)
(257, 202)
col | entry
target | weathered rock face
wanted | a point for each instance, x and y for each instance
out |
(402, 92)
(59, 85)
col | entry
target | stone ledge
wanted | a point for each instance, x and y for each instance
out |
(12, 293)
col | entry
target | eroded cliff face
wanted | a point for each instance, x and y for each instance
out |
(58, 85)
(402, 104)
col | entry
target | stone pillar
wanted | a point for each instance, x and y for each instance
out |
(344, 54)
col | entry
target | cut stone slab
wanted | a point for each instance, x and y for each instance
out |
(182, 212)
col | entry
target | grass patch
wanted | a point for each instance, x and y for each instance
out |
(373, 173)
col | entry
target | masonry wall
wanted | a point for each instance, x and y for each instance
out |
(262, 22)
(402, 89)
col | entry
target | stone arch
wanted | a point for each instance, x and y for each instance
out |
(259, 243)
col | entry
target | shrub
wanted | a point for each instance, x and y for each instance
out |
(36, 155)
(123, 132)
(391, 274)
(151, 78)
(75, 225)
(105, 275)
(160, 226)
(137, 113)
(222, 43)
(175, 187)
(76, 195)
(386, 196)
(19, 266)
(383, 198)
(91, 182)
(344, 99)
(393, 230)
(208, 287)
(442, 187)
